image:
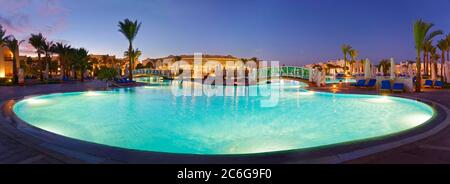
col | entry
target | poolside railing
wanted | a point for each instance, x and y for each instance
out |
(295, 72)
(284, 71)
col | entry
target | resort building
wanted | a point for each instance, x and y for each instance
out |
(209, 63)
(104, 60)
(6, 62)
(227, 62)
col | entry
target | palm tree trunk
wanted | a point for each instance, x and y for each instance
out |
(442, 65)
(418, 77)
(345, 62)
(62, 68)
(41, 74)
(82, 75)
(47, 62)
(15, 76)
(130, 67)
(425, 58)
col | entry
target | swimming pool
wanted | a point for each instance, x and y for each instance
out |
(152, 118)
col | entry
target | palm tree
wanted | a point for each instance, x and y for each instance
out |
(47, 47)
(426, 49)
(421, 35)
(3, 36)
(444, 47)
(130, 29)
(13, 45)
(37, 41)
(72, 63)
(63, 52)
(448, 42)
(386, 63)
(81, 57)
(345, 50)
(433, 59)
(134, 55)
(353, 54)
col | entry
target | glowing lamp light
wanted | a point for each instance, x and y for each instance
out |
(92, 93)
(382, 99)
(306, 93)
(334, 86)
(34, 101)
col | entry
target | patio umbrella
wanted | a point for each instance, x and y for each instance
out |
(381, 70)
(392, 69)
(126, 71)
(410, 70)
(317, 77)
(323, 77)
(367, 69)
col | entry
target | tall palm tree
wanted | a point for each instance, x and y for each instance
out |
(63, 52)
(345, 50)
(13, 45)
(353, 54)
(426, 49)
(47, 48)
(37, 41)
(444, 47)
(130, 29)
(421, 34)
(429, 41)
(433, 59)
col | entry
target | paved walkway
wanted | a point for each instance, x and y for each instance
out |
(432, 150)
(24, 151)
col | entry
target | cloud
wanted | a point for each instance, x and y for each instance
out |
(23, 17)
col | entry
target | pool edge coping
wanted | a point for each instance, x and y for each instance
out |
(295, 156)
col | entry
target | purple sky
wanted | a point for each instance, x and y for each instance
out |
(294, 32)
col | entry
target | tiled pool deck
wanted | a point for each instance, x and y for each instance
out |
(432, 150)
(18, 148)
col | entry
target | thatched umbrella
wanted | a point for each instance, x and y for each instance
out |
(367, 69)
(392, 69)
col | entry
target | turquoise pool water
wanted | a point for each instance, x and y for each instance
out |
(152, 118)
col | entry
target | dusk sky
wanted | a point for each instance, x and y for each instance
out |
(293, 32)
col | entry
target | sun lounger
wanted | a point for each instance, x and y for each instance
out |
(439, 84)
(360, 83)
(385, 85)
(398, 87)
(428, 84)
(371, 83)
